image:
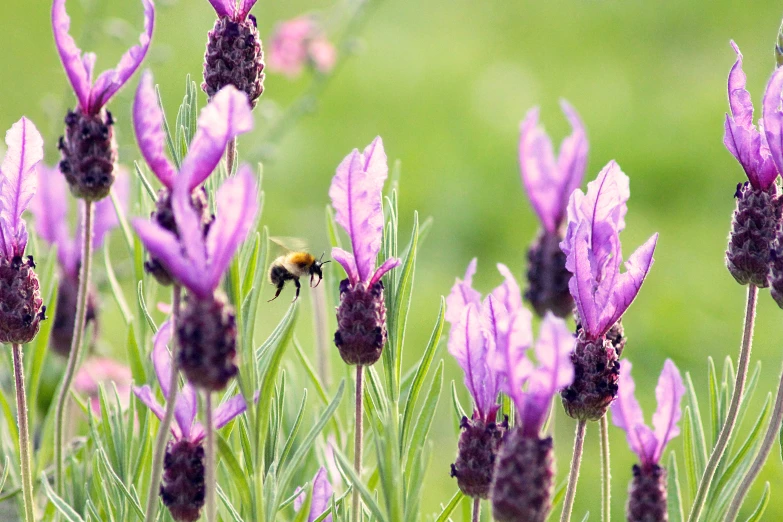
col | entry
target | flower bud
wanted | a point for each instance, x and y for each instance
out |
(547, 277)
(21, 310)
(616, 336)
(753, 227)
(183, 490)
(647, 495)
(65, 314)
(524, 479)
(207, 336)
(234, 57)
(596, 370)
(89, 154)
(163, 215)
(361, 323)
(478, 446)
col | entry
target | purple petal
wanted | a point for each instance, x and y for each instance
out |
(322, 494)
(148, 126)
(227, 411)
(165, 246)
(572, 159)
(739, 98)
(461, 295)
(627, 285)
(554, 372)
(300, 498)
(244, 8)
(79, 70)
(191, 233)
(185, 412)
(146, 396)
(226, 116)
(580, 285)
(224, 8)
(237, 204)
(19, 182)
(773, 125)
(348, 263)
(627, 414)
(509, 360)
(109, 82)
(508, 293)
(668, 393)
(50, 205)
(387, 265)
(468, 346)
(539, 170)
(105, 215)
(161, 358)
(356, 198)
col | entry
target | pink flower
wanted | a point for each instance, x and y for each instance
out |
(298, 42)
(102, 370)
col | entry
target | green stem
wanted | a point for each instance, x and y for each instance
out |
(476, 509)
(606, 472)
(731, 416)
(209, 452)
(357, 446)
(162, 439)
(573, 476)
(770, 438)
(231, 155)
(24, 434)
(76, 345)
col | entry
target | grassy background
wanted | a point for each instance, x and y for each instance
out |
(445, 83)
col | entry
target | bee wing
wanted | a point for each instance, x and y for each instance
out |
(289, 244)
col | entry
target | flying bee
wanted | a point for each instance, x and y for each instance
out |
(292, 266)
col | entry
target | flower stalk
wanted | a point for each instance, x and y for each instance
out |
(231, 155)
(210, 459)
(606, 472)
(24, 433)
(76, 344)
(476, 509)
(165, 425)
(573, 476)
(357, 443)
(731, 416)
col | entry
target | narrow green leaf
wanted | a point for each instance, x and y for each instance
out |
(124, 227)
(134, 502)
(459, 411)
(143, 306)
(167, 132)
(135, 358)
(6, 470)
(450, 507)
(368, 498)
(289, 443)
(116, 289)
(151, 192)
(427, 415)
(689, 451)
(586, 517)
(716, 406)
(227, 503)
(403, 297)
(238, 475)
(65, 510)
(699, 441)
(676, 512)
(762, 505)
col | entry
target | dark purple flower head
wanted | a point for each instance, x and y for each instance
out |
(226, 116)
(549, 182)
(472, 339)
(759, 153)
(649, 444)
(93, 96)
(322, 494)
(594, 254)
(50, 208)
(186, 427)
(230, 9)
(358, 208)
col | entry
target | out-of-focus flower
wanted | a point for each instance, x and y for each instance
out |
(322, 493)
(601, 291)
(102, 370)
(226, 116)
(647, 494)
(234, 53)
(50, 208)
(524, 474)
(21, 310)
(298, 42)
(89, 148)
(472, 341)
(183, 489)
(356, 198)
(760, 152)
(206, 330)
(549, 182)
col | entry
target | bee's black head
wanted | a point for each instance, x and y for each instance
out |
(315, 270)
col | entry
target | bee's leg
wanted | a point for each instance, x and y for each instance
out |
(298, 287)
(279, 289)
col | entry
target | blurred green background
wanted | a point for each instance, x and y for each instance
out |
(446, 83)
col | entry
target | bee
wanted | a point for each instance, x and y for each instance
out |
(292, 266)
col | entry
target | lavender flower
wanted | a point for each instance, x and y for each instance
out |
(759, 205)
(50, 208)
(21, 310)
(298, 42)
(602, 293)
(102, 370)
(234, 54)
(356, 198)
(227, 115)
(206, 330)
(89, 149)
(549, 183)
(647, 491)
(322, 493)
(183, 489)
(471, 342)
